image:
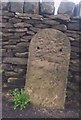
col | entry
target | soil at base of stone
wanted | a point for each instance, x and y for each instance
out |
(71, 110)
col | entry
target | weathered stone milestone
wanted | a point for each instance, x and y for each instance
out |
(47, 70)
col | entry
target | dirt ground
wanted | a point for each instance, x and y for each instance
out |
(71, 109)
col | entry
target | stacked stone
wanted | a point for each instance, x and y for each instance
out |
(17, 31)
(74, 34)
(26, 6)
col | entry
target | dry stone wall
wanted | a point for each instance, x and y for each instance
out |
(26, 6)
(44, 7)
(17, 32)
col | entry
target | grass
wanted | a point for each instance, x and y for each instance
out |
(19, 98)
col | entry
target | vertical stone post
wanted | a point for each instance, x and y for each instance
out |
(48, 63)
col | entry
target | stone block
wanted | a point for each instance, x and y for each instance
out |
(48, 63)
(22, 47)
(60, 27)
(15, 82)
(41, 26)
(47, 7)
(26, 38)
(59, 17)
(35, 30)
(4, 5)
(50, 22)
(66, 8)
(30, 33)
(74, 26)
(74, 55)
(7, 67)
(19, 34)
(7, 14)
(22, 55)
(22, 24)
(33, 22)
(75, 49)
(14, 20)
(7, 25)
(7, 54)
(31, 7)
(15, 60)
(16, 7)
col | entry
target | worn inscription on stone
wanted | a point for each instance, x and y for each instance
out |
(47, 70)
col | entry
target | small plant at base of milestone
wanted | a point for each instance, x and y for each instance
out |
(19, 98)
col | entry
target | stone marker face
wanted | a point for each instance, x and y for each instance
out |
(48, 63)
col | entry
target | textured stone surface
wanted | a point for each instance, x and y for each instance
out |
(21, 55)
(14, 45)
(30, 33)
(74, 26)
(14, 20)
(41, 26)
(22, 47)
(66, 8)
(14, 60)
(7, 25)
(7, 54)
(4, 5)
(47, 7)
(26, 38)
(33, 22)
(60, 27)
(14, 81)
(29, 16)
(16, 7)
(15, 30)
(7, 14)
(31, 7)
(60, 17)
(50, 22)
(34, 29)
(48, 63)
(22, 24)
(13, 74)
